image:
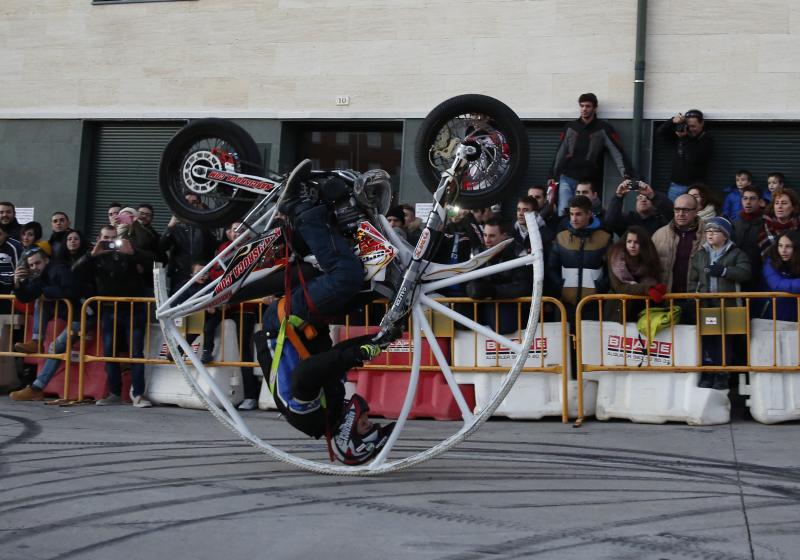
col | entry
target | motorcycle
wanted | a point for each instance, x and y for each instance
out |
(469, 150)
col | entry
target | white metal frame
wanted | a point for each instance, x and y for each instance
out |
(230, 417)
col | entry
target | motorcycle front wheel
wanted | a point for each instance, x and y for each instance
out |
(213, 143)
(493, 129)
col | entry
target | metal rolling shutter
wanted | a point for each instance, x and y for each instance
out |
(124, 168)
(543, 138)
(760, 147)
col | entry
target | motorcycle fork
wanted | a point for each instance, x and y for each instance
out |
(428, 240)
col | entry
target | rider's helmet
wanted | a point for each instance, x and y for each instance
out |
(350, 447)
(376, 187)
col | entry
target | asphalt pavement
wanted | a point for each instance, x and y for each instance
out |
(91, 483)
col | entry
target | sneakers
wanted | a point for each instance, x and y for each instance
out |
(248, 404)
(141, 402)
(29, 393)
(369, 351)
(29, 347)
(207, 355)
(111, 399)
(295, 189)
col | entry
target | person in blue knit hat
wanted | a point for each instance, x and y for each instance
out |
(719, 266)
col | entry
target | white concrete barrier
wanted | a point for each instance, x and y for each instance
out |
(534, 395)
(774, 397)
(166, 384)
(646, 396)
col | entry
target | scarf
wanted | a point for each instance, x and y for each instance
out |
(713, 256)
(752, 216)
(773, 229)
(708, 212)
(628, 270)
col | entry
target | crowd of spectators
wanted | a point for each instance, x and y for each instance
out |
(117, 262)
(660, 247)
(639, 241)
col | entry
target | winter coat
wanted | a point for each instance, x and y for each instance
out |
(692, 155)
(56, 282)
(612, 310)
(745, 235)
(781, 281)
(576, 265)
(583, 145)
(732, 204)
(666, 241)
(115, 274)
(186, 244)
(737, 271)
(10, 253)
(508, 284)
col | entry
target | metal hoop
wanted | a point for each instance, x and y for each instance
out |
(229, 416)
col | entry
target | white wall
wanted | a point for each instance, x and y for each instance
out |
(394, 58)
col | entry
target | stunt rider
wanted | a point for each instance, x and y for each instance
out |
(307, 375)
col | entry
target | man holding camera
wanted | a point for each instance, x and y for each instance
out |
(652, 211)
(693, 150)
(115, 264)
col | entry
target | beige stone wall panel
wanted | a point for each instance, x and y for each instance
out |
(291, 58)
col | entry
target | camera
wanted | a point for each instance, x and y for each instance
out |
(110, 245)
(681, 127)
(635, 184)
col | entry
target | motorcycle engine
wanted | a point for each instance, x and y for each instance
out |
(348, 215)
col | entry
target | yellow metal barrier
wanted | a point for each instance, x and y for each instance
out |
(720, 319)
(26, 320)
(191, 325)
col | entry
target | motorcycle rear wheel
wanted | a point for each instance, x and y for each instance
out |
(487, 124)
(217, 144)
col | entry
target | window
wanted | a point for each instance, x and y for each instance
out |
(374, 139)
(362, 146)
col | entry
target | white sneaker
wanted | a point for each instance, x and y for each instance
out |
(109, 400)
(248, 404)
(141, 402)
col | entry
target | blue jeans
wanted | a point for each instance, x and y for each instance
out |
(675, 190)
(113, 373)
(566, 190)
(343, 273)
(35, 335)
(51, 364)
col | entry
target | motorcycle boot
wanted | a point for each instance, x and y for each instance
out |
(299, 192)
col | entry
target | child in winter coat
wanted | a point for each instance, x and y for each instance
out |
(719, 266)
